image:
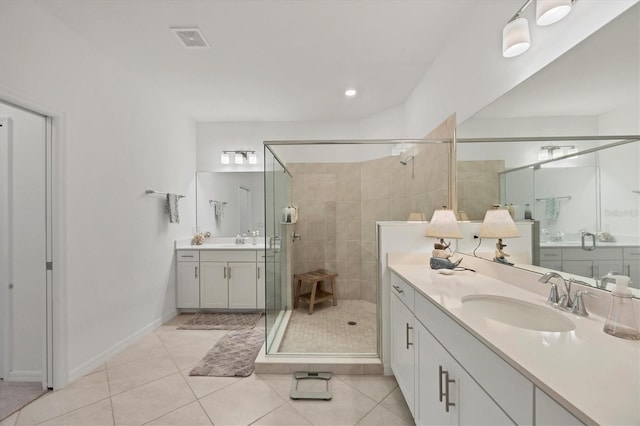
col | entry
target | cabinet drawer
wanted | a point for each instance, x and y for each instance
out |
(188, 255)
(597, 254)
(510, 389)
(550, 254)
(228, 255)
(631, 253)
(403, 290)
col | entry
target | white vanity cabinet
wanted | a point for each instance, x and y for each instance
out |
(550, 413)
(631, 265)
(402, 349)
(188, 270)
(220, 279)
(228, 279)
(436, 361)
(591, 264)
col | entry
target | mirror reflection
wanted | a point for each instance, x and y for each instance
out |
(230, 203)
(546, 149)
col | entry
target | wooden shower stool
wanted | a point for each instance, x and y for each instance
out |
(316, 295)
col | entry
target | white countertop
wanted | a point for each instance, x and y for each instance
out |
(594, 375)
(572, 244)
(186, 245)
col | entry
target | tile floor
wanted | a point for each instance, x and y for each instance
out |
(327, 330)
(148, 383)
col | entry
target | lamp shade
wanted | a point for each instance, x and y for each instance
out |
(551, 11)
(443, 224)
(515, 38)
(224, 158)
(498, 223)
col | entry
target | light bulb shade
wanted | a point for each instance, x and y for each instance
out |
(498, 223)
(551, 11)
(238, 158)
(515, 38)
(444, 224)
(224, 158)
(253, 159)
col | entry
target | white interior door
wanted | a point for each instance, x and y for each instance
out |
(23, 247)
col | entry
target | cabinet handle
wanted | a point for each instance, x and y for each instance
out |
(447, 404)
(398, 289)
(408, 328)
(597, 271)
(225, 272)
(440, 371)
(229, 274)
(628, 269)
(196, 275)
(592, 272)
(258, 272)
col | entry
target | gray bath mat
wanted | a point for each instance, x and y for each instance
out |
(233, 355)
(222, 321)
(15, 395)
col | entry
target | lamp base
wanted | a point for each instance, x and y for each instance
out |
(439, 263)
(502, 260)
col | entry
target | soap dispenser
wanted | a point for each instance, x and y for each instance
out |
(621, 319)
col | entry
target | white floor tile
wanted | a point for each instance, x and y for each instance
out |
(285, 415)
(96, 414)
(139, 372)
(380, 416)
(191, 415)
(375, 387)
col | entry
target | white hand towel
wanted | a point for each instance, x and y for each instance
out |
(172, 208)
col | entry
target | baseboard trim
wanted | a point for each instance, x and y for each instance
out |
(90, 365)
(24, 376)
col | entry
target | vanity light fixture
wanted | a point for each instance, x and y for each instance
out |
(498, 224)
(516, 37)
(549, 152)
(239, 157)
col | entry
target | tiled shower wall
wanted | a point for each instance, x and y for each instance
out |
(339, 204)
(478, 186)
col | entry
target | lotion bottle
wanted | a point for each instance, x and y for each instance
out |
(621, 320)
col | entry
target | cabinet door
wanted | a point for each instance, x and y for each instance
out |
(261, 289)
(188, 285)
(548, 412)
(631, 268)
(473, 405)
(431, 361)
(242, 285)
(578, 267)
(402, 349)
(601, 267)
(213, 285)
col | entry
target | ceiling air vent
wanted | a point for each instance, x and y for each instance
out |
(190, 37)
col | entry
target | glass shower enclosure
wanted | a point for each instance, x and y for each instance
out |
(277, 186)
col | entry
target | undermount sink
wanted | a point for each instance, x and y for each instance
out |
(517, 313)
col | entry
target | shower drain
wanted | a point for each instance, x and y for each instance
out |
(352, 323)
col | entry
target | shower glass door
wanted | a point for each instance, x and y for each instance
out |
(277, 185)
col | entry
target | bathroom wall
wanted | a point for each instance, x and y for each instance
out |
(340, 203)
(478, 185)
(114, 277)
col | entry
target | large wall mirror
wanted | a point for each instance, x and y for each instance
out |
(230, 203)
(562, 147)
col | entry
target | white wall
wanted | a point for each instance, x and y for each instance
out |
(114, 274)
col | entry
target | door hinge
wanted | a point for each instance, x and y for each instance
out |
(49, 266)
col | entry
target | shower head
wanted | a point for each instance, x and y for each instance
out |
(406, 160)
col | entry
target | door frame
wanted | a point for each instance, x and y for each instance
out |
(55, 369)
(5, 318)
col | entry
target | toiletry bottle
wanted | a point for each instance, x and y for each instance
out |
(621, 319)
(527, 212)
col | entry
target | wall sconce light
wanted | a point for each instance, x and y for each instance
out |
(549, 152)
(498, 224)
(516, 38)
(443, 225)
(239, 157)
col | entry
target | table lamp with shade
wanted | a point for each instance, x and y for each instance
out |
(498, 224)
(443, 225)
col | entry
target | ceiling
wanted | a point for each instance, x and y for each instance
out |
(271, 60)
(597, 76)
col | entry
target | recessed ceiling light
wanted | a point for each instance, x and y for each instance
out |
(350, 93)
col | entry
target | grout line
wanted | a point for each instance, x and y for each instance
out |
(113, 414)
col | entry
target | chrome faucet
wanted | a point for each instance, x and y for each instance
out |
(565, 302)
(607, 279)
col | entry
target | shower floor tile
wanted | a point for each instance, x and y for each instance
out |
(328, 329)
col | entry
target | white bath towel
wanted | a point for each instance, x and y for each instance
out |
(172, 208)
(552, 208)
